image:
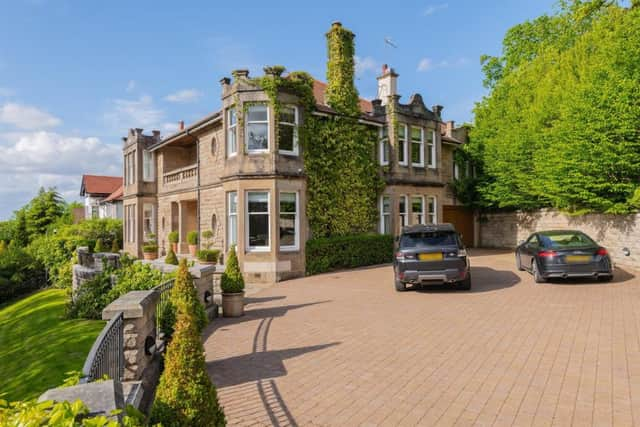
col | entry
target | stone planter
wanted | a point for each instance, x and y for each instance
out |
(150, 256)
(192, 250)
(233, 304)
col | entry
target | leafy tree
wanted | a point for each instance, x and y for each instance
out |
(185, 394)
(43, 210)
(559, 126)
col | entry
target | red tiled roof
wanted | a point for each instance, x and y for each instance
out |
(116, 195)
(96, 184)
(319, 88)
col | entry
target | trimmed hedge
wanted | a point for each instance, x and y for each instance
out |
(334, 253)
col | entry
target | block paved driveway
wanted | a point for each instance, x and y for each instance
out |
(345, 349)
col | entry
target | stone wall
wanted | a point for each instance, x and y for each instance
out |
(615, 232)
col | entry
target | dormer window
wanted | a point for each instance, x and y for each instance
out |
(288, 130)
(257, 130)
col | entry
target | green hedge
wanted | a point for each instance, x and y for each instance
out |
(334, 253)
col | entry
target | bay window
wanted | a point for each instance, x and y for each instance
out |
(402, 145)
(257, 133)
(288, 130)
(385, 215)
(232, 132)
(232, 219)
(258, 220)
(288, 221)
(417, 210)
(384, 146)
(404, 213)
(417, 146)
(432, 213)
(431, 150)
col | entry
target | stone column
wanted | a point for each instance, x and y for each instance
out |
(139, 308)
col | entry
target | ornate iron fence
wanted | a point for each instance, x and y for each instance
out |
(107, 353)
(164, 313)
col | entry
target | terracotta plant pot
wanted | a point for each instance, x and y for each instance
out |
(233, 304)
(192, 250)
(150, 256)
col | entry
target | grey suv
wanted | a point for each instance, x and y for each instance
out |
(431, 255)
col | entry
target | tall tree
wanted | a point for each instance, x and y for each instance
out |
(43, 210)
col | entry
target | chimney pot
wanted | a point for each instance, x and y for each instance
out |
(225, 81)
(336, 24)
(181, 125)
(241, 73)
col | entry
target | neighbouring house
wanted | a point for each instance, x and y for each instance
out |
(102, 196)
(227, 173)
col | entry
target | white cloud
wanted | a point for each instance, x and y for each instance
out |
(4, 91)
(27, 117)
(184, 96)
(137, 113)
(435, 8)
(29, 160)
(169, 127)
(427, 64)
(365, 64)
(131, 86)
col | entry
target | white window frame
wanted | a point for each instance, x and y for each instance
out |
(405, 144)
(432, 149)
(419, 164)
(248, 224)
(433, 215)
(232, 240)
(404, 216)
(296, 223)
(386, 215)
(456, 170)
(384, 147)
(232, 151)
(148, 169)
(295, 125)
(422, 220)
(246, 129)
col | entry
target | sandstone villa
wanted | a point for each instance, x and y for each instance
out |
(233, 173)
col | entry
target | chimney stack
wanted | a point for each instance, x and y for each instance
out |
(449, 129)
(387, 84)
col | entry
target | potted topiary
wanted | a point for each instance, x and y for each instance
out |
(192, 240)
(232, 285)
(150, 248)
(207, 255)
(171, 257)
(173, 238)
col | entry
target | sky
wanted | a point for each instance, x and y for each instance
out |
(75, 75)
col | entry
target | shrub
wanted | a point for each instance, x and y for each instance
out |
(150, 246)
(91, 298)
(115, 248)
(99, 247)
(208, 255)
(185, 394)
(173, 237)
(3, 246)
(231, 281)
(333, 253)
(171, 257)
(135, 277)
(192, 237)
(20, 273)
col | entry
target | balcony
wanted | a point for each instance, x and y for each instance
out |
(181, 178)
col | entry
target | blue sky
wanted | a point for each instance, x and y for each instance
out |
(75, 75)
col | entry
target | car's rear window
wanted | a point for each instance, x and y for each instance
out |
(566, 240)
(428, 239)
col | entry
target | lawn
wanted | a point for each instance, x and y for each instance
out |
(37, 345)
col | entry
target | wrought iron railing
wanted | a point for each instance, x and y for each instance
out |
(164, 289)
(106, 357)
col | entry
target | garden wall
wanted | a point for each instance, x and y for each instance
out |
(615, 232)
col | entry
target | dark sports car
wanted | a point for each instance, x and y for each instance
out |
(563, 254)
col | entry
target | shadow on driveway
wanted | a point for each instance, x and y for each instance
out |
(483, 279)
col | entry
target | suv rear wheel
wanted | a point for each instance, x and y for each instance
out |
(465, 285)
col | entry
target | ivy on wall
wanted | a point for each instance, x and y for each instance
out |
(343, 178)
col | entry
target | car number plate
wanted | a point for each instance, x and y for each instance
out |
(431, 257)
(578, 258)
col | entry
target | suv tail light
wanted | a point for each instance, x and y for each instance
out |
(399, 256)
(601, 252)
(547, 254)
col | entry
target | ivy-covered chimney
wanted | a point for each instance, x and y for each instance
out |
(341, 93)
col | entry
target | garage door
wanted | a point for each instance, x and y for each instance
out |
(462, 220)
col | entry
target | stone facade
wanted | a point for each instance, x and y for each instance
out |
(196, 174)
(615, 232)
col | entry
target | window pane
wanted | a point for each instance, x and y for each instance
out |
(258, 202)
(401, 151)
(285, 137)
(287, 202)
(231, 139)
(233, 202)
(233, 230)
(257, 136)
(257, 113)
(259, 230)
(403, 205)
(386, 204)
(287, 230)
(415, 153)
(416, 204)
(416, 134)
(386, 224)
(402, 132)
(288, 115)
(232, 117)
